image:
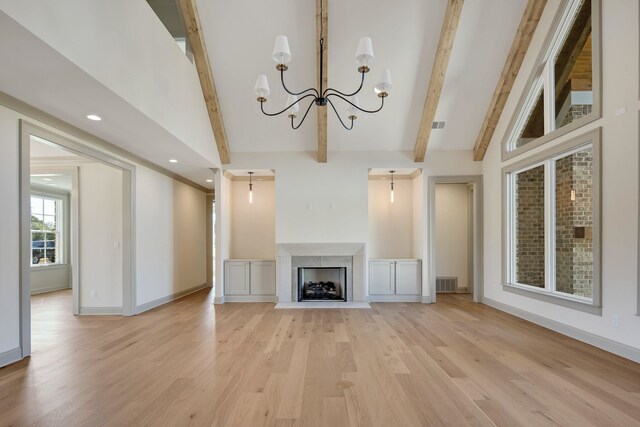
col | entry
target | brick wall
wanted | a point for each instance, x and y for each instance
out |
(574, 251)
(530, 227)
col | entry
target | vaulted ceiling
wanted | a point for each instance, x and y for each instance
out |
(239, 36)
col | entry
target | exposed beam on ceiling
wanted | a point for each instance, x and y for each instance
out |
(519, 47)
(198, 47)
(322, 26)
(438, 72)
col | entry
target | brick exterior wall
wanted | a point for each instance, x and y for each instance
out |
(575, 112)
(530, 227)
(574, 255)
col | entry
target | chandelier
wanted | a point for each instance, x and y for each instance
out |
(321, 97)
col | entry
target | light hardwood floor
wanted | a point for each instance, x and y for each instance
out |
(189, 363)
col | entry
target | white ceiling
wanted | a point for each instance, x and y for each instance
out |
(240, 35)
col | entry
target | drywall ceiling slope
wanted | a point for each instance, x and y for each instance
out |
(405, 35)
(38, 75)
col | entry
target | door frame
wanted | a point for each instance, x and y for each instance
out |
(478, 240)
(26, 129)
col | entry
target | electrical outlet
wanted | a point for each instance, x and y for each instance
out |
(94, 293)
(116, 244)
(615, 320)
(332, 206)
(309, 206)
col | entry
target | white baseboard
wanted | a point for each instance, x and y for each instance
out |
(10, 356)
(219, 300)
(161, 301)
(100, 311)
(250, 298)
(51, 289)
(426, 299)
(394, 298)
(606, 344)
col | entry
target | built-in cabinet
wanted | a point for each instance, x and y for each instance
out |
(249, 278)
(395, 277)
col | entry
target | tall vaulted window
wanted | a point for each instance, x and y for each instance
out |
(552, 224)
(563, 92)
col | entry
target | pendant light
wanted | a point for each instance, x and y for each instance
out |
(392, 172)
(250, 188)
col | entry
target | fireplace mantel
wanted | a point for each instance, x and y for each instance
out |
(287, 290)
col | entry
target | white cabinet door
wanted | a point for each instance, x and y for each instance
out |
(263, 278)
(381, 277)
(408, 278)
(236, 278)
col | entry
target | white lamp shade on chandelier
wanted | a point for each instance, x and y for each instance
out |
(385, 82)
(281, 52)
(364, 52)
(353, 111)
(295, 107)
(262, 86)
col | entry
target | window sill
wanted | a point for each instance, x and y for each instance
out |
(564, 301)
(48, 267)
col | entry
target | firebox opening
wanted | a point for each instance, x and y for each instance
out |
(322, 284)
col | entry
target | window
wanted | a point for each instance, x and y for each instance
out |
(551, 227)
(46, 227)
(564, 91)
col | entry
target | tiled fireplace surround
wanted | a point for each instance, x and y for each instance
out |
(291, 256)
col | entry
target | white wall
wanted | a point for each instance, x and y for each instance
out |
(619, 183)
(100, 228)
(452, 232)
(391, 232)
(253, 225)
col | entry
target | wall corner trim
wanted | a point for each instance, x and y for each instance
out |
(606, 344)
(166, 299)
(426, 299)
(218, 300)
(10, 356)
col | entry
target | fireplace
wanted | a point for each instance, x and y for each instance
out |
(322, 284)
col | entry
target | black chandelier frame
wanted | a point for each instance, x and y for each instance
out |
(322, 97)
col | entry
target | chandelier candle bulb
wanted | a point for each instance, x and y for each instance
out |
(392, 172)
(281, 53)
(262, 88)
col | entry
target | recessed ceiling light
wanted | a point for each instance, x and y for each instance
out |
(47, 179)
(94, 117)
(173, 161)
(209, 180)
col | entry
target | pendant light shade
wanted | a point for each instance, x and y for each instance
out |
(391, 195)
(262, 86)
(384, 86)
(281, 52)
(364, 52)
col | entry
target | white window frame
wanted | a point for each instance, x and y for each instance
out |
(60, 231)
(548, 158)
(543, 74)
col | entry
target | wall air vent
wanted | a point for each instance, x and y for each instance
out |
(437, 125)
(446, 284)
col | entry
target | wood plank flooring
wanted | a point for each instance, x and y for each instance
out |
(454, 363)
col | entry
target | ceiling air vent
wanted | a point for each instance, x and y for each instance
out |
(437, 125)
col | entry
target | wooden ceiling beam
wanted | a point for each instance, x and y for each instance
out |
(438, 72)
(322, 31)
(519, 47)
(195, 36)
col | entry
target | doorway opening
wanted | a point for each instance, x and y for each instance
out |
(76, 217)
(455, 236)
